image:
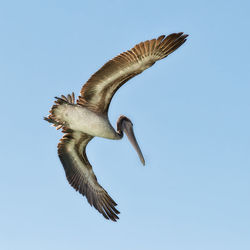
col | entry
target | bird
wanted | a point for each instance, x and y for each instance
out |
(87, 117)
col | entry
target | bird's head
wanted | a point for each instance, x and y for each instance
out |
(125, 125)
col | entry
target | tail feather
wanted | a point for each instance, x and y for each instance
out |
(70, 99)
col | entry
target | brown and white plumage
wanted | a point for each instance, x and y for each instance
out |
(71, 151)
(100, 88)
(88, 118)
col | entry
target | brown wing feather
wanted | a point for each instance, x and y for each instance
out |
(98, 91)
(71, 151)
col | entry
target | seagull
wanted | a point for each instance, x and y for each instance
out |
(86, 118)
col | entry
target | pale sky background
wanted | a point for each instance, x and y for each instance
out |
(191, 114)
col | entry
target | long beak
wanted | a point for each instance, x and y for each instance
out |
(128, 129)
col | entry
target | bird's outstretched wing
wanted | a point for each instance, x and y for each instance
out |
(71, 151)
(98, 91)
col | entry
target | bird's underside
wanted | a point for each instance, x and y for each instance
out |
(93, 103)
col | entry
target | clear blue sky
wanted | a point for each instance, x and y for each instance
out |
(190, 112)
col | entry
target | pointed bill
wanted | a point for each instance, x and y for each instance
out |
(128, 129)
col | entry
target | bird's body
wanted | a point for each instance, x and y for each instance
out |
(88, 117)
(79, 118)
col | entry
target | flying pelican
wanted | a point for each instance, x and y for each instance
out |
(88, 117)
